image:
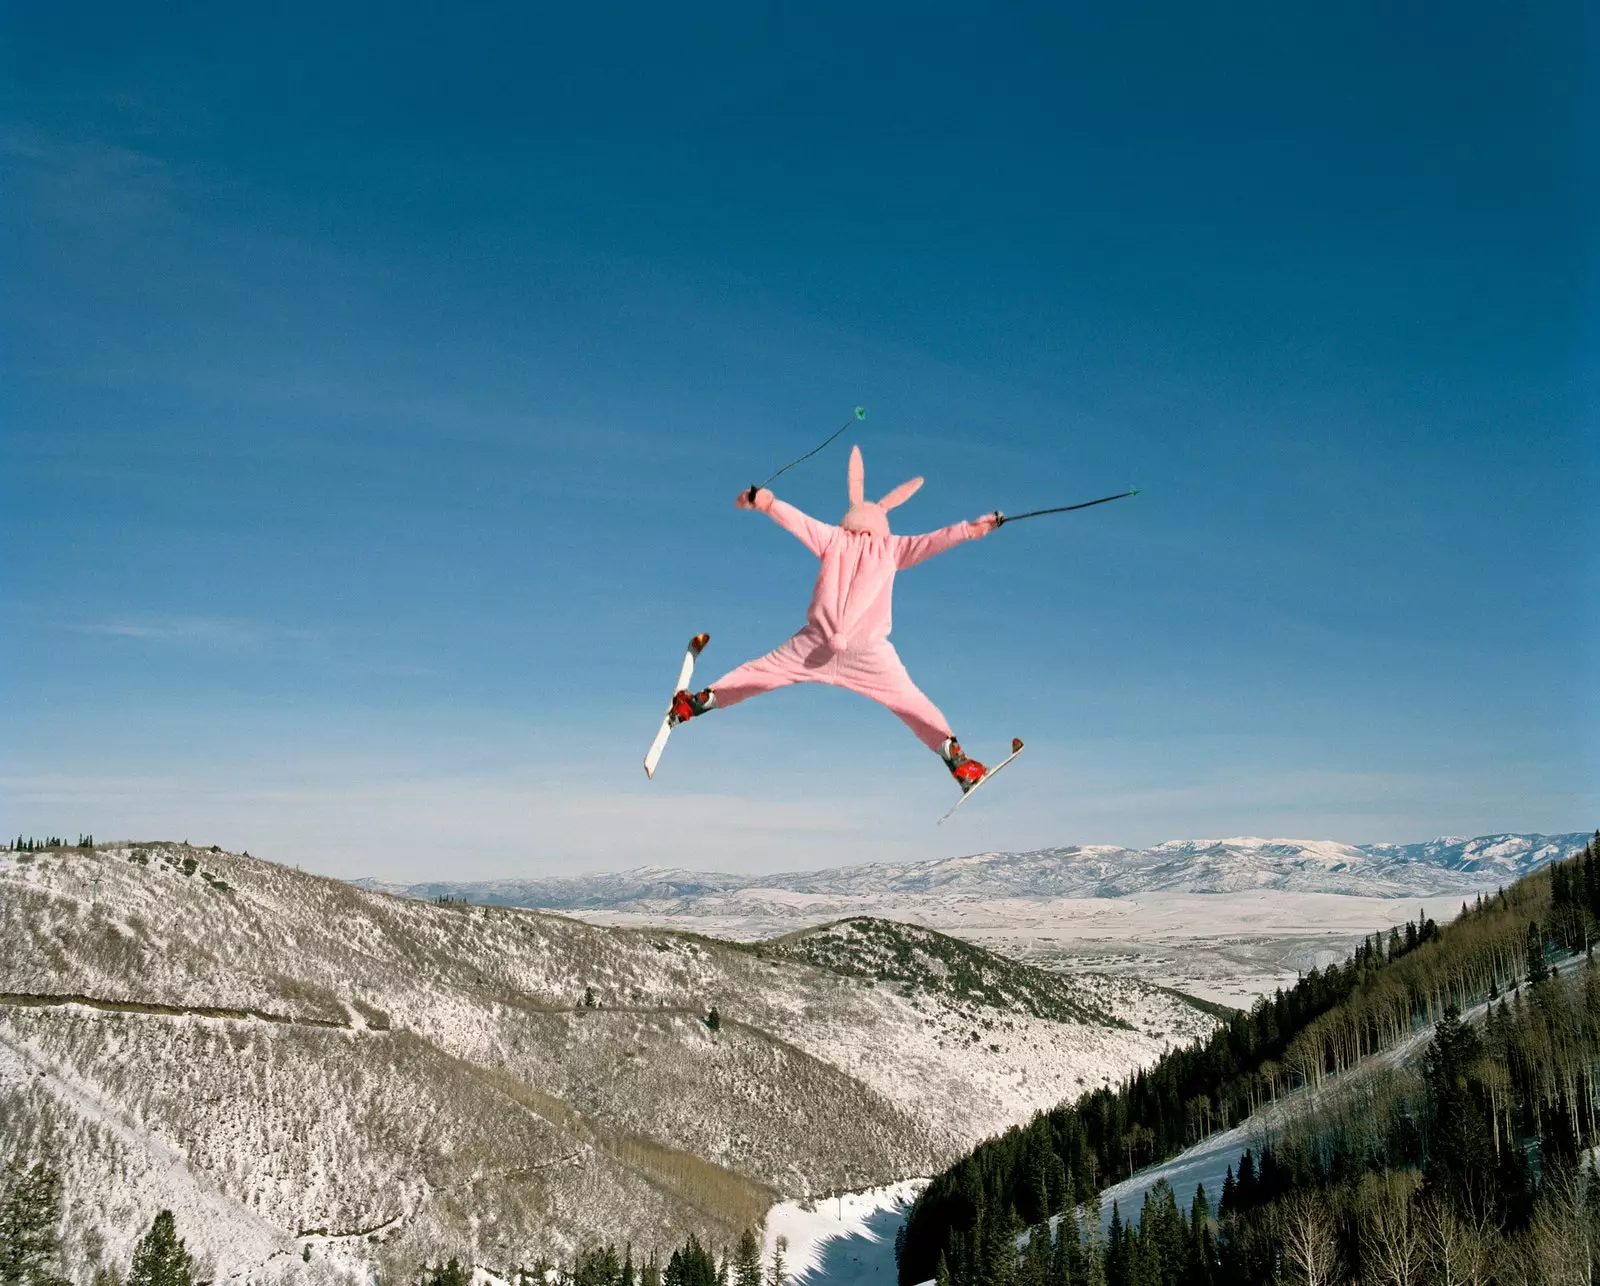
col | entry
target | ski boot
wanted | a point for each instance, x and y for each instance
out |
(685, 705)
(967, 772)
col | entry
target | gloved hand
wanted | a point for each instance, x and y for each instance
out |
(986, 523)
(763, 500)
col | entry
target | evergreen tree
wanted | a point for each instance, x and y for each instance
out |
(159, 1258)
(1200, 1258)
(996, 1258)
(778, 1274)
(1536, 970)
(1164, 1234)
(691, 1265)
(1460, 1137)
(941, 1274)
(747, 1260)
(594, 1268)
(1591, 875)
(450, 1274)
(30, 1209)
(1091, 1254)
(1117, 1267)
(1060, 1184)
(1062, 1253)
(1035, 1267)
(714, 1019)
(1244, 1192)
(1558, 1145)
(1144, 1259)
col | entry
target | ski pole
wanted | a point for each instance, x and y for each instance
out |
(1039, 513)
(861, 414)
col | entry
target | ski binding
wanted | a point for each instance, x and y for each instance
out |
(1016, 749)
(653, 757)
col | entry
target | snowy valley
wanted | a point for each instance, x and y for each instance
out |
(327, 1081)
(1227, 920)
(323, 1079)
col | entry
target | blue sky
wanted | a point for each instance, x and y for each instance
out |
(375, 385)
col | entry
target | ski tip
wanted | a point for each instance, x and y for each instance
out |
(1016, 744)
(698, 643)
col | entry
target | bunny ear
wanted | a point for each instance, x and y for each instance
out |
(857, 477)
(900, 494)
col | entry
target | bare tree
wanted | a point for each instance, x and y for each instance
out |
(1460, 1252)
(1310, 1251)
(1561, 1239)
(1391, 1242)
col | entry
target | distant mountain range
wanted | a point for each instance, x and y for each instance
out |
(1449, 864)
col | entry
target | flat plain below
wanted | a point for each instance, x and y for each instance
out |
(1224, 947)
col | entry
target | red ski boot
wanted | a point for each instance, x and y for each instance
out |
(685, 705)
(967, 772)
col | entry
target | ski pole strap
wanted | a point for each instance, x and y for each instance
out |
(1039, 513)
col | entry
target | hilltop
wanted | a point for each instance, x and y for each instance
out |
(913, 957)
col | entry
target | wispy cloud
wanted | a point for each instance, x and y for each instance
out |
(217, 631)
(87, 177)
(351, 652)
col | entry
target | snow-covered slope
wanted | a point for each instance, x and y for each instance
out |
(1440, 866)
(290, 1063)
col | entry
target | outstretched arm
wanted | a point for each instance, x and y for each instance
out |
(812, 534)
(911, 550)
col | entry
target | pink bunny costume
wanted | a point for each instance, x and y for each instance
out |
(845, 641)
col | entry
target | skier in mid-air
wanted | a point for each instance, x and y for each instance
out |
(845, 641)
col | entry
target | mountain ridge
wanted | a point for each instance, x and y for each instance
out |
(1445, 864)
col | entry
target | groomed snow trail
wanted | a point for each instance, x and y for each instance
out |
(844, 1240)
(1207, 1162)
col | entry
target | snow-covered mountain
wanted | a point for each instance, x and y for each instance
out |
(301, 1068)
(1440, 866)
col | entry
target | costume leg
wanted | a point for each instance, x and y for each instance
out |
(802, 659)
(878, 673)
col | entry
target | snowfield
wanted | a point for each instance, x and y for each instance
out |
(1440, 866)
(1227, 920)
(1228, 948)
(296, 1066)
(844, 1240)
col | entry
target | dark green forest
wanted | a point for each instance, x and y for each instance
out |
(1479, 1146)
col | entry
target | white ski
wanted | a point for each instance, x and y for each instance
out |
(653, 757)
(1016, 749)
